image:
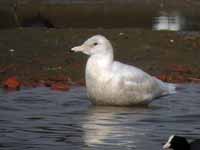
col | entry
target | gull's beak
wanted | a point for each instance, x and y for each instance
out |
(81, 48)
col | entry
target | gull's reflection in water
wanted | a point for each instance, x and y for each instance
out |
(168, 21)
(112, 126)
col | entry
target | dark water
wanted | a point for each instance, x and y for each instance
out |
(146, 14)
(159, 15)
(38, 119)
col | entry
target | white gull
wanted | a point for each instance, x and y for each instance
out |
(110, 82)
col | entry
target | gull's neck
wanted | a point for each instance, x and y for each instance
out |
(102, 59)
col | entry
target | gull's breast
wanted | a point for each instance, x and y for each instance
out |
(102, 85)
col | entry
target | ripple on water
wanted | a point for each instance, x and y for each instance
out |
(44, 119)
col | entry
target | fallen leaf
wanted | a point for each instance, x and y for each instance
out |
(179, 68)
(12, 83)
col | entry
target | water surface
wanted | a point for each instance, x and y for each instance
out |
(38, 119)
(145, 14)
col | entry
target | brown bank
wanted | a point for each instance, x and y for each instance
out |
(40, 56)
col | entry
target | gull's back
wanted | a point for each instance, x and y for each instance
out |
(137, 84)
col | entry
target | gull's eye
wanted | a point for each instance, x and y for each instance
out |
(95, 44)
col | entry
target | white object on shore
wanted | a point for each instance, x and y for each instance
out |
(11, 50)
(110, 82)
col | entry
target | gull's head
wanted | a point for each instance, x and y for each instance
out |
(97, 44)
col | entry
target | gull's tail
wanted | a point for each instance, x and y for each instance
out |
(167, 88)
(171, 88)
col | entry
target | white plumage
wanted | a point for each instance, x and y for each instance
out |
(110, 82)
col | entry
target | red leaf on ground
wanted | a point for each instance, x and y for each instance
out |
(179, 68)
(60, 87)
(12, 83)
(176, 78)
(162, 77)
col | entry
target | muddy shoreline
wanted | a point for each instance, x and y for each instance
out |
(41, 55)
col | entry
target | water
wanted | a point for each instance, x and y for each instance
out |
(38, 119)
(146, 14)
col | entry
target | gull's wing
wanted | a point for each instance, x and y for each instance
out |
(136, 81)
